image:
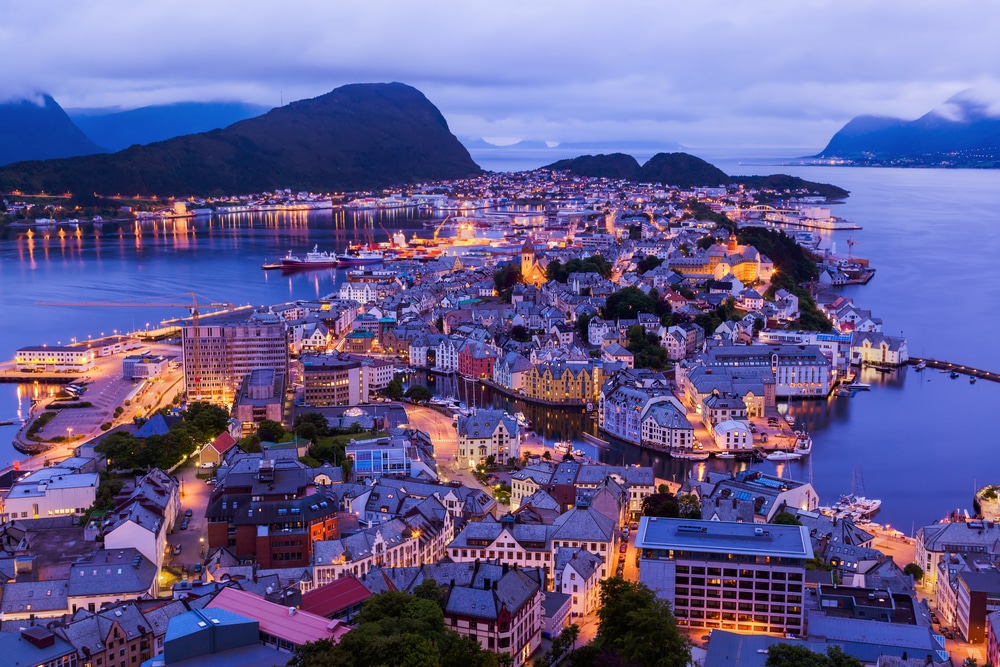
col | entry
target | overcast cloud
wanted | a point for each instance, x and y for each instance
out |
(706, 73)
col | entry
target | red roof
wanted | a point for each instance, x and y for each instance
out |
(296, 628)
(223, 442)
(335, 597)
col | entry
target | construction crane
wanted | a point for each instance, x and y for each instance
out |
(194, 306)
(850, 248)
(439, 227)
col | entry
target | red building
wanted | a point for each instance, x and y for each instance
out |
(476, 359)
(269, 512)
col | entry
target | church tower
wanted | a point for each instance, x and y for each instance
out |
(527, 260)
(732, 246)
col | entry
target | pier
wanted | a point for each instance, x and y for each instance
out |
(957, 368)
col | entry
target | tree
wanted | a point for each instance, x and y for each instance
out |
(791, 655)
(428, 589)
(583, 327)
(271, 431)
(786, 519)
(660, 504)
(395, 389)
(419, 394)
(639, 627)
(648, 263)
(689, 506)
(311, 425)
(914, 570)
(209, 419)
(397, 629)
(520, 334)
(506, 277)
(347, 467)
(627, 303)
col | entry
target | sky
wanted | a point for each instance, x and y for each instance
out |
(750, 73)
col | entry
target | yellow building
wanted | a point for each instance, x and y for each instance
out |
(744, 262)
(564, 382)
(532, 273)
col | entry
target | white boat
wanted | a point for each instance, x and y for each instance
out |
(783, 456)
(859, 386)
(921, 366)
(858, 505)
(312, 260)
(725, 455)
(803, 444)
(578, 452)
(790, 419)
(563, 446)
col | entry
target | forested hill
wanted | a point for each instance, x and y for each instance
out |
(357, 137)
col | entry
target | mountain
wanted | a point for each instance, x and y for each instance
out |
(678, 169)
(357, 137)
(31, 130)
(615, 165)
(116, 130)
(964, 132)
(682, 170)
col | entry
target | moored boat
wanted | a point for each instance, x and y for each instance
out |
(920, 366)
(361, 256)
(803, 444)
(783, 456)
(312, 260)
(689, 455)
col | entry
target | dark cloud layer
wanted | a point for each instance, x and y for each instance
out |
(786, 73)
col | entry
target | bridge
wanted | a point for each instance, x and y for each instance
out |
(949, 366)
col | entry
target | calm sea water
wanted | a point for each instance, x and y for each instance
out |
(922, 441)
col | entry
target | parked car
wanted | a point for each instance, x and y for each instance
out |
(623, 548)
(184, 524)
(189, 512)
(197, 567)
(208, 465)
(177, 550)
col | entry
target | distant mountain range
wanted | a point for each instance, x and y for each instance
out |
(38, 130)
(964, 133)
(357, 137)
(684, 171)
(115, 129)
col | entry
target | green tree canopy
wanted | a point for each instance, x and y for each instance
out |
(661, 504)
(648, 263)
(271, 431)
(627, 303)
(635, 628)
(786, 519)
(311, 425)
(914, 570)
(395, 389)
(793, 655)
(397, 629)
(418, 393)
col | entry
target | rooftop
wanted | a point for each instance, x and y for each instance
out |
(298, 627)
(723, 538)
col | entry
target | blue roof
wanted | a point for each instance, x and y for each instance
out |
(195, 621)
(724, 537)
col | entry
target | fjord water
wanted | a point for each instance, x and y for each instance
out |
(923, 441)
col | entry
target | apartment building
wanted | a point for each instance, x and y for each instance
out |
(218, 354)
(733, 576)
(331, 380)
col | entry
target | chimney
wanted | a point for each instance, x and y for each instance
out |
(486, 584)
(505, 568)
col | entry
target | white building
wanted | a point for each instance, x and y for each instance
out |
(732, 434)
(41, 358)
(49, 492)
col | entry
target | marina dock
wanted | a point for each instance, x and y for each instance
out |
(977, 373)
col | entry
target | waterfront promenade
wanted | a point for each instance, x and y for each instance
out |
(949, 366)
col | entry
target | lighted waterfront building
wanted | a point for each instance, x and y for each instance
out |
(143, 366)
(563, 382)
(797, 370)
(666, 427)
(42, 359)
(734, 576)
(217, 356)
